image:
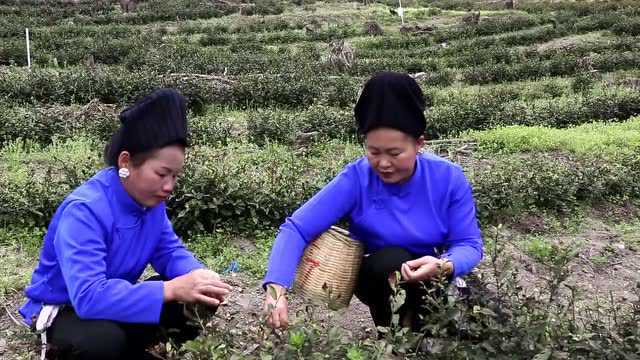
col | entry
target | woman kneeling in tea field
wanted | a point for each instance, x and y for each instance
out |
(84, 297)
(401, 204)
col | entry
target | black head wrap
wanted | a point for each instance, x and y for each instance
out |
(158, 120)
(392, 100)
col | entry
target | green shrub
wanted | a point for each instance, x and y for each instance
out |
(76, 85)
(462, 111)
(503, 24)
(556, 66)
(72, 45)
(267, 7)
(630, 27)
(494, 318)
(42, 124)
(318, 123)
(159, 10)
(578, 8)
(601, 104)
(247, 187)
(499, 106)
(393, 42)
(537, 182)
(596, 22)
(305, 338)
(367, 67)
(583, 82)
(522, 184)
(213, 128)
(295, 90)
(116, 85)
(13, 52)
(553, 169)
(14, 25)
(453, 110)
(34, 180)
(528, 36)
(104, 13)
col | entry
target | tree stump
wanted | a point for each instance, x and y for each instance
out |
(128, 6)
(341, 55)
(373, 28)
(471, 18)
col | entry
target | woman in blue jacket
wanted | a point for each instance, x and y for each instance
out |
(404, 206)
(84, 296)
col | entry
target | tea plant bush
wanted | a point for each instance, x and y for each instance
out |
(495, 318)
(272, 104)
(243, 186)
(318, 123)
(499, 107)
(104, 13)
(35, 180)
(42, 124)
(116, 85)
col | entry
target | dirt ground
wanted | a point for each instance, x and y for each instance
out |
(245, 305)
(607, 265)
(16, 342)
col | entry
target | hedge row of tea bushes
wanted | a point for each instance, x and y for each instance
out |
(484, 111)
(240, 52)
(244, 186)
(239, 185)
(294, 90)
(492, 65)
(42, 123)
(120, 86)
(237, 54)
(574, 8)
(71, 44)
(559, 66)
(15, 17)
(325, 115)
(86, 13)
(455, 111)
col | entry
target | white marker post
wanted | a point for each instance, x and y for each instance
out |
(28, 49)
(400, 11)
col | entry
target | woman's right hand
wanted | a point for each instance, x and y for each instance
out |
(199, 286)
(275, 306)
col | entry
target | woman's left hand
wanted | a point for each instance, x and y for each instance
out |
(425, 268)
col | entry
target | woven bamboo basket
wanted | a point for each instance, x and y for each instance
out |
(328, 270)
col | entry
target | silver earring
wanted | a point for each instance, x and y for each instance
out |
(124, 173)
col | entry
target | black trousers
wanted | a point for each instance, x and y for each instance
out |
(373, 287)
(70, 337)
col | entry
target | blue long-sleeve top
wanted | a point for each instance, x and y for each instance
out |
(97, 245)
(433, 209)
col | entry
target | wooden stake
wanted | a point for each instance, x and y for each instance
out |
(28, 49)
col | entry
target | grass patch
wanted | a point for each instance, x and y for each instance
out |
(20, 248)
(629, 233)
(539, 248)
(19, 253)
(575, 41)
(599, 137)
(225, 252)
